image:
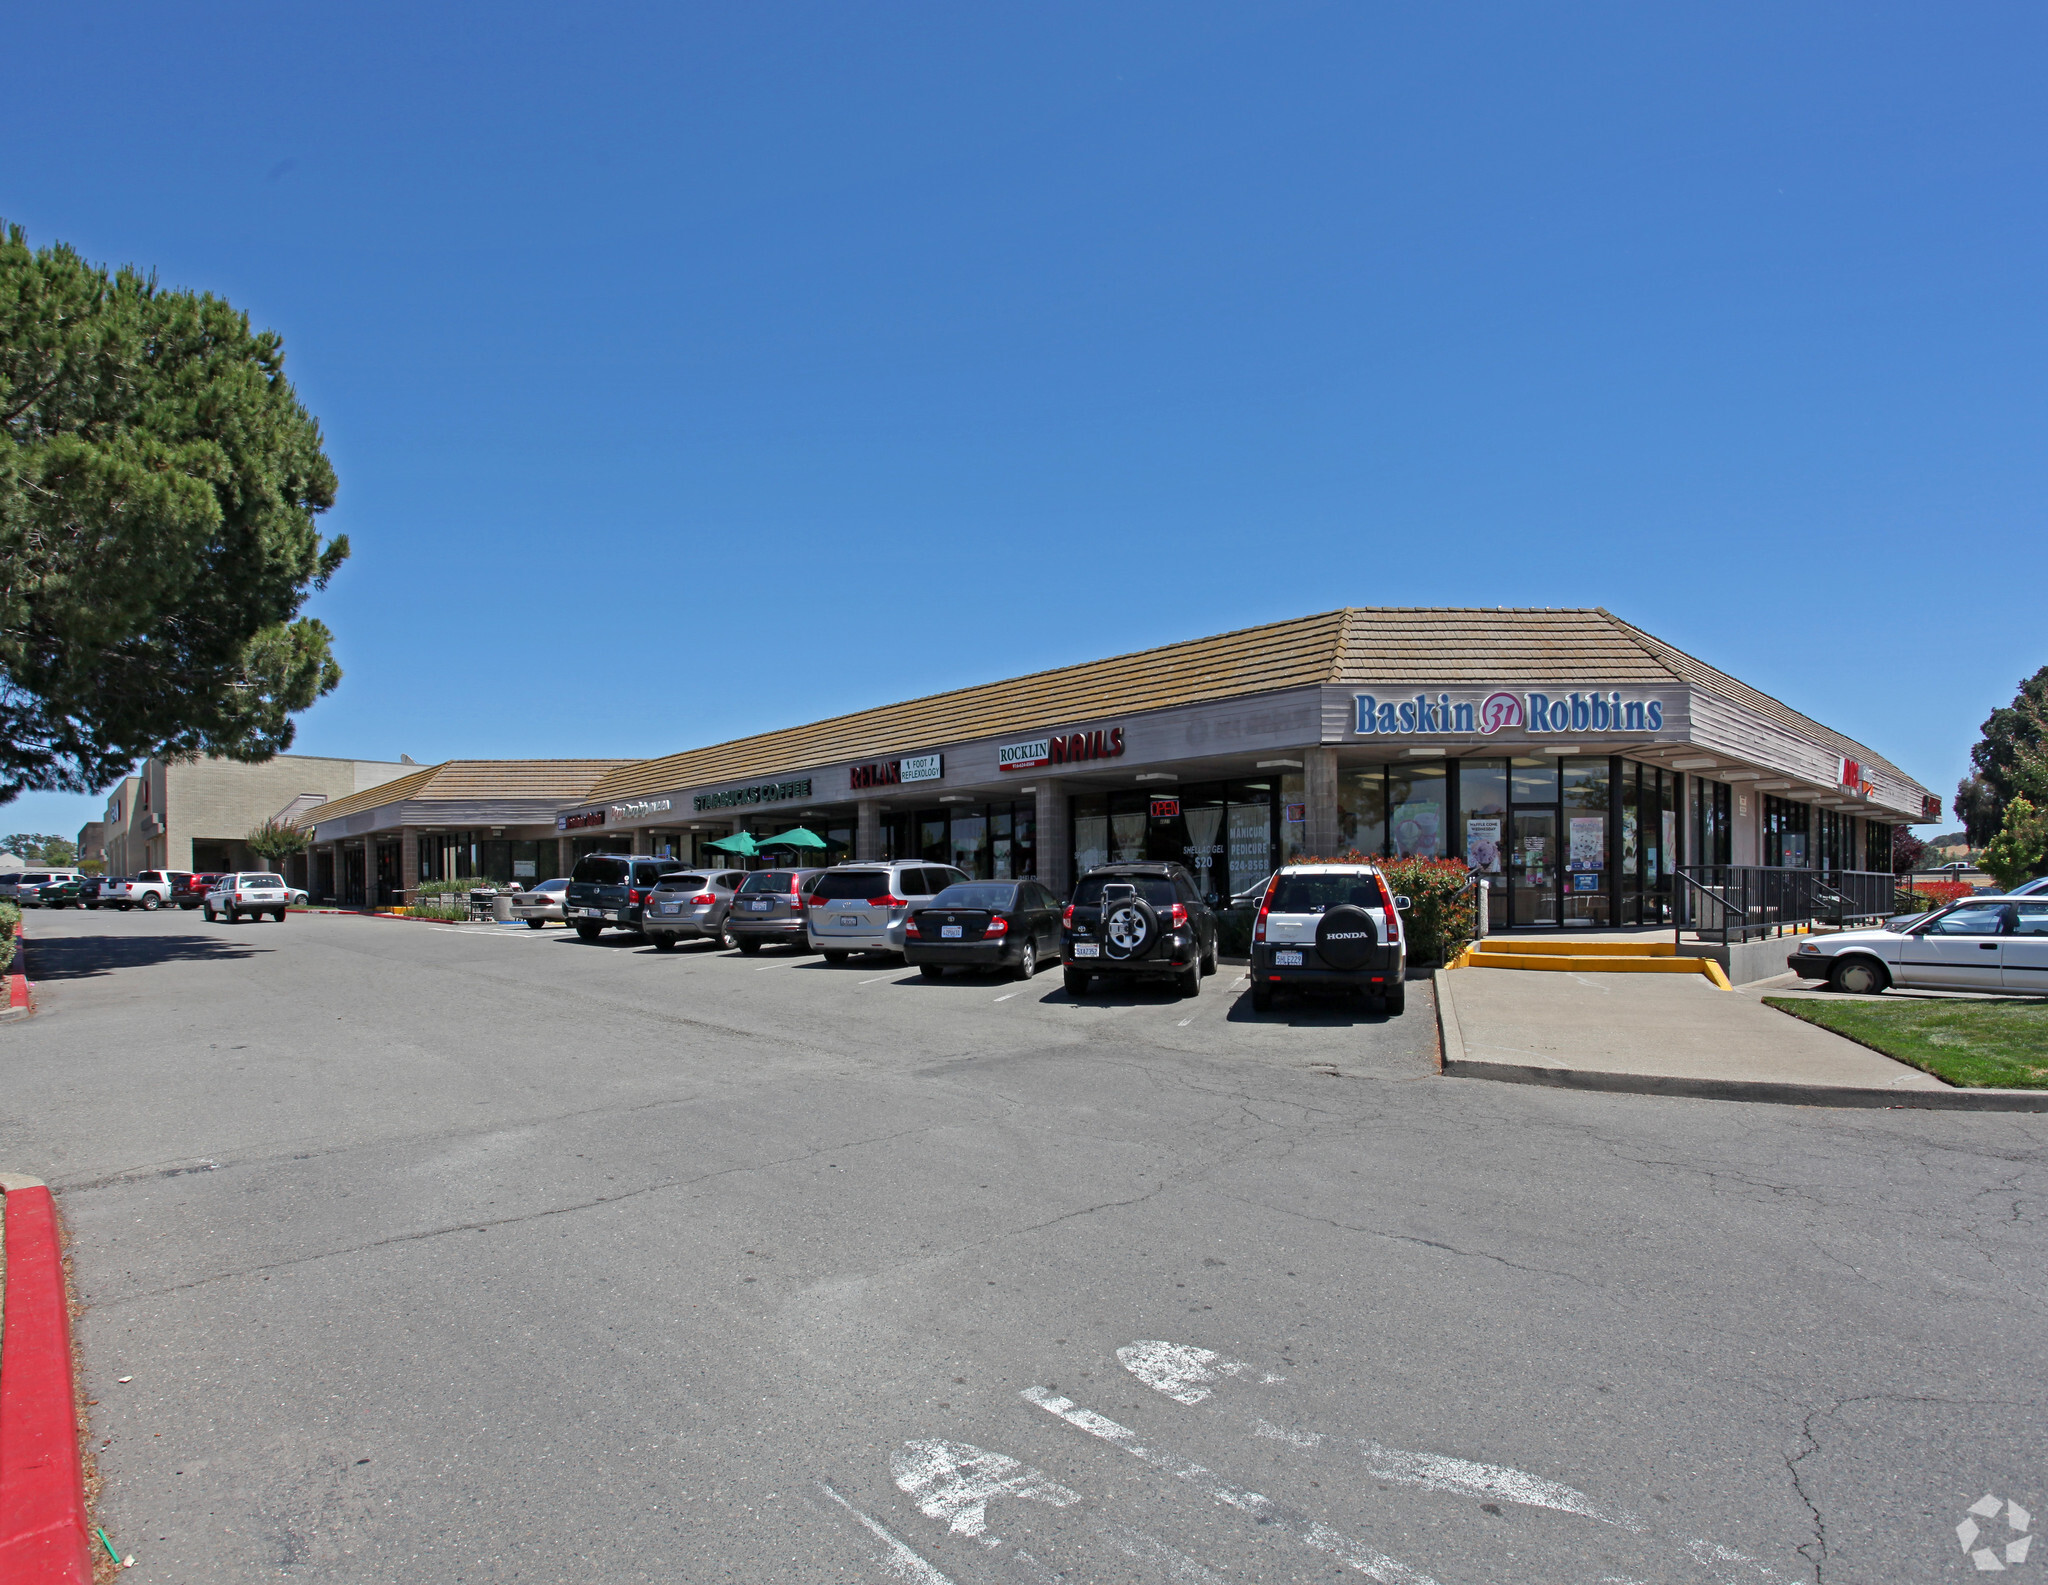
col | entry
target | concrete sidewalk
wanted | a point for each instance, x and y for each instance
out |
(1673, 1035)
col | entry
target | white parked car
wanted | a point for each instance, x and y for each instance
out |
(1979, 944)
(543, 904)
(252, 892)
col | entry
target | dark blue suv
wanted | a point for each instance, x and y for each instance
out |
(611, 889)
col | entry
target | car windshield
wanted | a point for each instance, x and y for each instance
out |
(847, 885)
(680, 883)
(1155, 889)
(976, 894)
(1312, 894)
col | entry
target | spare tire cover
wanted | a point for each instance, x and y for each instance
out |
(1129, 926)
(1346, 937)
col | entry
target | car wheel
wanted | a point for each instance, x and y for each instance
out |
(1859, 977)
(1397, 1000)
(663, 941)
(279, 916)
(931, 971)
(1027, 961)
(206, 913)
(837, 957)
(1209, 961)
(150, 903)
(536, 924)
(1262, 998)
(727, 939)
(749, 948)
(1077, 983)
(588, 929)
(1190, 980)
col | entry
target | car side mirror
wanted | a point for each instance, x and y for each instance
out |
(1403, 904)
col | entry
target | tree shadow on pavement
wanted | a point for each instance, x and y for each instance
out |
(87, 957)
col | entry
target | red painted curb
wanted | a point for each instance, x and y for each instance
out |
(43, 1538)
(17, 990)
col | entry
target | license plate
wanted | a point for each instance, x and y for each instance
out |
(671, 908)
(593, 913)
(1287, 960)
(850, 921)
(759, 908)
(949, 932)
(1087, 949)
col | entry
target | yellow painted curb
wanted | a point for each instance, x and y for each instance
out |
(1607, 963)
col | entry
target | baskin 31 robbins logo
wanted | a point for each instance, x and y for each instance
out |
(1502, 712)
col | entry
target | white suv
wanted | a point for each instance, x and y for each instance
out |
(1330, 926)
(249, 892)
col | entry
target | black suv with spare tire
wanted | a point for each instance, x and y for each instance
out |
(1128, 920)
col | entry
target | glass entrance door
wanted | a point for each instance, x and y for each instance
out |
(1533, 867)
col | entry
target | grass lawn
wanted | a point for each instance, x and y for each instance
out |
(1988, 1044)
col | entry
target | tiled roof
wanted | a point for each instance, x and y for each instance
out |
(1508, 646)
(1291, 654)
(558, 780)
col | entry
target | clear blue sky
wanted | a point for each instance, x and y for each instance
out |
(696, 370)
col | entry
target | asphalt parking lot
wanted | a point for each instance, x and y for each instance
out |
(481, 1254)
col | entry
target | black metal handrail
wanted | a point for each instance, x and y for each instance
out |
(1748, 902)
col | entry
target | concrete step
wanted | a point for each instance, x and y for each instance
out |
(1577, 961)
(1538, 947)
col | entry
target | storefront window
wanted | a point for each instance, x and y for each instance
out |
(1127, 820)
(1877, 847)
(1362, 810)
(1415, 811)
(970, 852)
(1786, 830)
(1482, 812)
(934, 844)
(1533, 781)
(1091, 831)
(1712, 830)
(1585, 783)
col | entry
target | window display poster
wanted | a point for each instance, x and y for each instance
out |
(1418, 829)
(1482, 844)
(1628, 842)
(1670, 848)
(1589, 842)
(522, 869)
(1585, 881)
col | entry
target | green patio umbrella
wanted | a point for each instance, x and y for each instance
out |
(738, 842)
(796, 837)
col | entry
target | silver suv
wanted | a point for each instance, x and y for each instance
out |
(693, 904)
(1330, 926)
(862, 907)
(769, 909)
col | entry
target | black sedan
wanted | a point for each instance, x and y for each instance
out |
(1008, 925)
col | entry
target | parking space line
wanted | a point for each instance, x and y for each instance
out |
(1005, 997)
(902, 1562)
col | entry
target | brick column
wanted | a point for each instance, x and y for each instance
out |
(369, 872)
(867, 831)
(408, 863)
(1319, 776)
(1053, 833)
(565, 860)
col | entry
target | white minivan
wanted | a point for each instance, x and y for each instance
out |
(862, 907)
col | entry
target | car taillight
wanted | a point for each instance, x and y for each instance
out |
(704, 897)
(997, 926)
(1067, 918)
(635, 896)
(814, 902)
(1259, 925)
(887, 901)
(1178, 915)
(910, 929)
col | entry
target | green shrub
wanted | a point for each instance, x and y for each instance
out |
(437, 911)
(1444, 915)
(461, 885)
(10, 916)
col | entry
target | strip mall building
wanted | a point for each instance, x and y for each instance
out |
(1575, 757)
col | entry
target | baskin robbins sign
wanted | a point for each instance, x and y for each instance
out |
(1420, 715)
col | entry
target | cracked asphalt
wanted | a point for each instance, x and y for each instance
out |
(481, 1255)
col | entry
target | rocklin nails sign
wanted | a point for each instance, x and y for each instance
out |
(1061, 749)
(1501, 712)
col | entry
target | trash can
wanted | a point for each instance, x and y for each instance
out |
(501, 907)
